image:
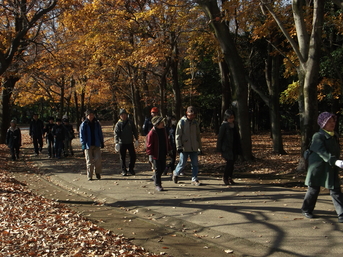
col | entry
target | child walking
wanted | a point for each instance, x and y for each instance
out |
(158, 147)
(13, 139)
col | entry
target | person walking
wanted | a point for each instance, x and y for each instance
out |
(228, 144)
(36, 133)
(171, 128)
(69, 136)
(50, 137)
(13, 139)
(188, 144)
(323, 166)
(58, 132)
(147, 126)
(158, 147)
(92, 139)
(125, 132)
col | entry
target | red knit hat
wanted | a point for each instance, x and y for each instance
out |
(154, 109)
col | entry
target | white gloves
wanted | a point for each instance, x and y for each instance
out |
(117, 148)
(339, 164)
(136, 143)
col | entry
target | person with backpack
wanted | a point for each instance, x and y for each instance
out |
(125, 132)
(188, 144)
(228, 144)
(171, 128)
(92, 139)
(36, 133)
(50, 137)
(323, 166)
(13, 139)
(158, 147)
(58, 132)
(69, 136)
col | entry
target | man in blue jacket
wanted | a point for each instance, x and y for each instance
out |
(92, 139)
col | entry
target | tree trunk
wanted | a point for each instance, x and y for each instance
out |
(237, 72)
(226, 93)
(308, 70)
(175, 79)
(273, 64)
(5, 110)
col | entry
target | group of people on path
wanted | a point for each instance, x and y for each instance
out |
(58, 137)
(184, 137)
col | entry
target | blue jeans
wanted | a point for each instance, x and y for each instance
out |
(183, 161)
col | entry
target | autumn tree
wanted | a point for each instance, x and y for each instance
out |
(236, 68)
(20, 23)
(308, 22)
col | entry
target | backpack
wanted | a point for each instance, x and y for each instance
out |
(308, 152)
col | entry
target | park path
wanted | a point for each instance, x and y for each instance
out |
(250, 219)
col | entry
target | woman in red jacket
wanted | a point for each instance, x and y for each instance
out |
(158, 147)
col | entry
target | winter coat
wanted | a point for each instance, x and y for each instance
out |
(228, 141)
(69, 131)
(152, 144)
(86, 136)
(321, 162)
(58, 132)
(48, 130)
(36, 128)
(13, 137)
(187, 135)
(125, 131)
(147, 125)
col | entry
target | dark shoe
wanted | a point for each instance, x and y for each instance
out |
(231, 182)
(159, 188)
(226, 181)
(98, 176)
(165, 172)
(175, 179)
(124, 173)
(90, 178)
(340, 219)
(308, 215)
(132, 172)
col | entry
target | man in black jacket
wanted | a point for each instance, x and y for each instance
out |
(37, 133)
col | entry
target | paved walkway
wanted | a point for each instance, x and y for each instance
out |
(251, 219)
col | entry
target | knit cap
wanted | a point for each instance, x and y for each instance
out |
(156, 120)
(323, 118)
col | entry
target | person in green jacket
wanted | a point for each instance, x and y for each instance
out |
(125, 132)
(323, 166)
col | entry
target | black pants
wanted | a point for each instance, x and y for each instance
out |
(312, 196)
(51, 148)
(172, 161)
(14, 152)
(37, 140)
(228, 169)
(160, 165)
(132, 152)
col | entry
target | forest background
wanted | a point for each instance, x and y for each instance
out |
(277, 64)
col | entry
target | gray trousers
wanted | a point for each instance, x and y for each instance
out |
(312, 196)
